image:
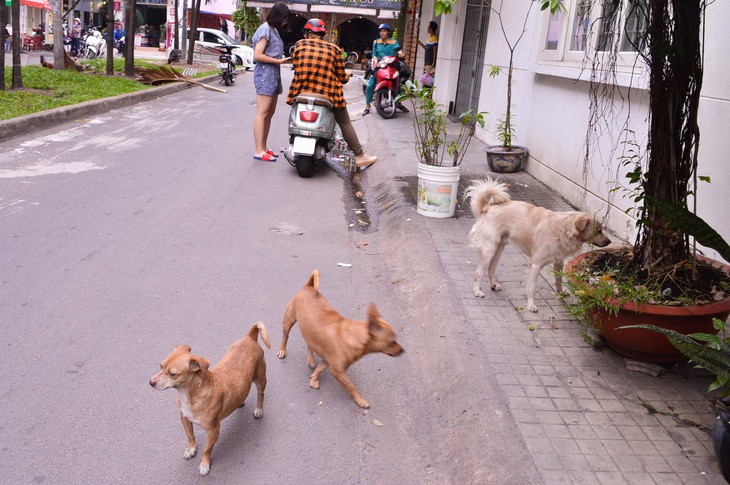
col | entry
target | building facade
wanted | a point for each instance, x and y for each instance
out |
(550, 97)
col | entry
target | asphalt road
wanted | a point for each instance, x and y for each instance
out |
(131, 232)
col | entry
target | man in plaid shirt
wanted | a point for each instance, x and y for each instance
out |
(319, 68)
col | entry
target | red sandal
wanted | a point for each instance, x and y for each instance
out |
(265, 157)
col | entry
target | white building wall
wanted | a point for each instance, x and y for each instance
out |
(550, 101)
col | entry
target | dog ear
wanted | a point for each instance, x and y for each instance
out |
(183, 348)
(198, 363)
(373, 318)
(582, 222)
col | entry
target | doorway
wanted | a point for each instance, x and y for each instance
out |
(472, 56)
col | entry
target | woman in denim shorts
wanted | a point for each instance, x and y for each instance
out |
(269, 55)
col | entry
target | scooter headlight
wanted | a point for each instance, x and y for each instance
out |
(382, 64)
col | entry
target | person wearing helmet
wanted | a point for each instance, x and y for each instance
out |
(319, 68)
(268, 52)
(382, 47)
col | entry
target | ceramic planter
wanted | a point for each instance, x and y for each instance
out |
(506, 160)
(648, 346)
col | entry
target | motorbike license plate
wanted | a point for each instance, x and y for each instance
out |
(304, 146)
(223, 65)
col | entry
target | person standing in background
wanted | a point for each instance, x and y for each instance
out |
(269, 56)
(75, 34)
(430, 53)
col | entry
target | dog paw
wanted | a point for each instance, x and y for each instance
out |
(190, 452)
(532, 307)
(281, 354)
(479, 294)
(314, 384)
(363, 404)
(204, 469)
(496, 287)
(258, 413)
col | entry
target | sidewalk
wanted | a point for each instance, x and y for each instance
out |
(584, 417)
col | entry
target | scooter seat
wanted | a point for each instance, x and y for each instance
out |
(313, 98)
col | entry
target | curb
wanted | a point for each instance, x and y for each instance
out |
(31, 123)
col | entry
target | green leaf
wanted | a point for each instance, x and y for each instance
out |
(705, 178)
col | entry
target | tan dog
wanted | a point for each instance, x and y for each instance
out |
(206, 396)
(338, 341)
(542, 235)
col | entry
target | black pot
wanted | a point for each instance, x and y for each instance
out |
(721, 442)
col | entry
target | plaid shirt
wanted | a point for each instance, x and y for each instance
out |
(318, 68)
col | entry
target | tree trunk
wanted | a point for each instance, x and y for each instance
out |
(110, 38)
(130, 9)
(193, 31)
(675, 60)
(176, 32)
(58, 50)
(17, 73)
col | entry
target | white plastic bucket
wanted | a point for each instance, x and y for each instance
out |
(437, 190)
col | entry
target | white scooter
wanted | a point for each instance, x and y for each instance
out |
(95, 44)
(311, 132)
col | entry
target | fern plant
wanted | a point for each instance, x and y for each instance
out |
(713, 355)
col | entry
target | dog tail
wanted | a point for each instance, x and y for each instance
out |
(313, 280)
(485, 193)
(254, 333)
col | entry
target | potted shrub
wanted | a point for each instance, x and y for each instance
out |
(439, 154)
(663, 270)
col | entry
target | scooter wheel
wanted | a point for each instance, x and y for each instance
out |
(305, 166)
(383, 104)
(227, 78)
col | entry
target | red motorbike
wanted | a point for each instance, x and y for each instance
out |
(391, 73)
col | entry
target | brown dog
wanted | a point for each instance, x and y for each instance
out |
(206, 396)
(338, 341)
(542, 235)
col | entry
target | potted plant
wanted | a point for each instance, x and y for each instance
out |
(439, 153)
(662, 272)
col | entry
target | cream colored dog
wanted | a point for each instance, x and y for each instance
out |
(542, 235)
(206, 396)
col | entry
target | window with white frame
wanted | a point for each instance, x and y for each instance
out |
(588, 26)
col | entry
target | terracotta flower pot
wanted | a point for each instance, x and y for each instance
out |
(648, 346)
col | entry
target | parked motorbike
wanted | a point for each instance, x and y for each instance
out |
(311, 132)
(391, 73)
(93, 44)
(226, 63)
